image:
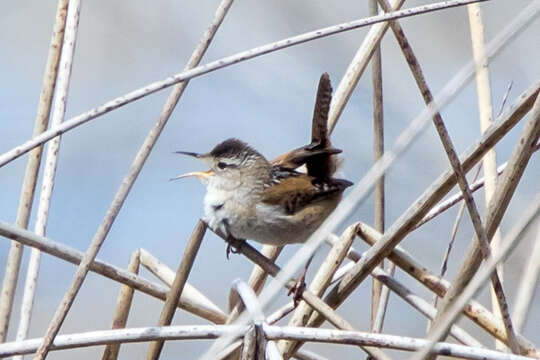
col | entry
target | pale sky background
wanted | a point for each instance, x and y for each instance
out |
(268, 102)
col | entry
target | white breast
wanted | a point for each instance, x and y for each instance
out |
(214, 209)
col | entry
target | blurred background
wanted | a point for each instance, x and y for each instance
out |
(267, 102)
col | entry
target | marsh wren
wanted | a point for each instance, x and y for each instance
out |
(271, 202)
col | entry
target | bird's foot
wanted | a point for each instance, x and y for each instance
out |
(232, 245)
(298, 289)
(300, 284)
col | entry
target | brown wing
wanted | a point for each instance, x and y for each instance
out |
(293, 193)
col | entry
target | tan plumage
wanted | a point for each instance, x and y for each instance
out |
(249, 197)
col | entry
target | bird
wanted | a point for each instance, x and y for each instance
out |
(272, 202)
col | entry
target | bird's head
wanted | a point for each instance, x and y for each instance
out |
(231, 163)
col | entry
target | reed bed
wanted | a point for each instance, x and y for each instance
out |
(246, 330)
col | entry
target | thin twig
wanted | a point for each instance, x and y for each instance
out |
(123, 305)
(505, 97)
(455, 227)
(449, 148)
(26, 197)
(382, 340)
(193, 332)
(356, 68)
(431, 196)
(497, 207)
(49, 172)
(402, 291)
(360, 191)
(249, 346)
(378, 300)
(196, 305)
(256, 281)
(253, 349)
(308, 355)
(421, 305)
(489, 162)
(452, 311)
(167, 276)
(454, 199)
(310, 298)
(127, 183)
(420, 207)
(219, 64)
(102, 337)
(444, 265)
(320, 283)
(173, 296)
(475, 311)
(280, 313)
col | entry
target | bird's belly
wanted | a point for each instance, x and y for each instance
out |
(272, 226)
(266, 224)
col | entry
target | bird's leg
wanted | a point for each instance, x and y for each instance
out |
(232, 242)
(300, 284)
(232, 246)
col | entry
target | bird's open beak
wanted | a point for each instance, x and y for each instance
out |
(192, 154)
(201, 175)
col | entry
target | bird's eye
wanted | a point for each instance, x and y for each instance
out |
(221, 165)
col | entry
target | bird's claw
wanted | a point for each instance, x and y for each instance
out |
(298, 289)
(230, 249)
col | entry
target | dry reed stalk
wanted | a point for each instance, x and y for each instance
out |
(272, 319)
(193, 332)
(505, 189)
(455, 227)
(474, 310)
(127, 183)
(431, 196)
(232, 349)
(402, 291)
(255, 348)
(26, 196)
(356, 69)
(197, 305)
(308, 355)
(485, 110)
(173, 296)
(320, 283)
(166, 275)
(454, 308)
(123, 305)
(458, 170)
(378, 298)
(256, 280)
(272, 351)
(219, 64)
(422, 306)
(382, 340)
(102, 337)
(280, 313)
(49, 172)
(249, 346)
(264, 349)
(528, 282)
(454, 199)
(314, 301)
